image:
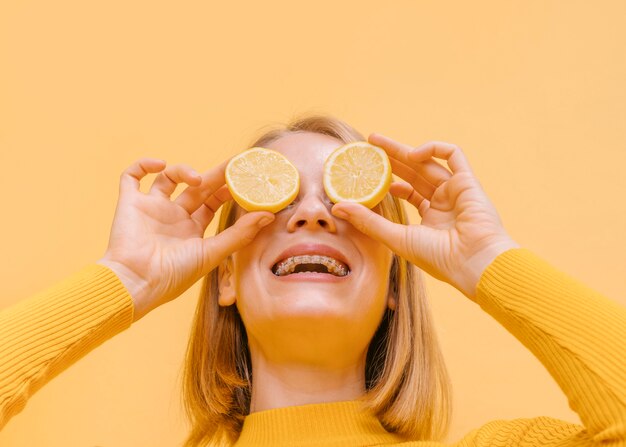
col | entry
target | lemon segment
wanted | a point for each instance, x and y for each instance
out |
(357, 172)
(262, 179)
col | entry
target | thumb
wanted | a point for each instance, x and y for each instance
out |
(374, 225)
(230, 240)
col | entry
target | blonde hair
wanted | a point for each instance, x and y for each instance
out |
(407, 385)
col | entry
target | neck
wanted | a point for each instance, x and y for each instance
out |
(278, 385)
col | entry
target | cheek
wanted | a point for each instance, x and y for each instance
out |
(250, 277)
(246, 272)
(249, 302)
(374, 284)
(376, 256)
(378, 265)
(249, 256)
(243, 272)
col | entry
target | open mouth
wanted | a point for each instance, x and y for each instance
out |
(310, 264)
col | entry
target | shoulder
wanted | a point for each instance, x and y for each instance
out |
(540, 431)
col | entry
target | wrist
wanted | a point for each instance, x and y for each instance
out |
(478, 263)
(137, 287)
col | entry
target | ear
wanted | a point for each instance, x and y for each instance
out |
(391, 302)
(227, 296)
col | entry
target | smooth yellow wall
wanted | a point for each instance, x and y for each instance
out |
(534, 91)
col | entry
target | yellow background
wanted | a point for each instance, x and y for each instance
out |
(534, 91)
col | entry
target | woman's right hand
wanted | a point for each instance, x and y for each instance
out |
(157, 246)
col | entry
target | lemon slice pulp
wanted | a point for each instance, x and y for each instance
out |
(262, 179)
(357, 172)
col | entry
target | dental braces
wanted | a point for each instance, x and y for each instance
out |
(289, 265)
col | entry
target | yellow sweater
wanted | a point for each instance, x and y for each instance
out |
(578, 335)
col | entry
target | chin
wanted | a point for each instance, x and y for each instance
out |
(313, 305)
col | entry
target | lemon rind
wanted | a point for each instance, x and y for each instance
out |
(371, 200)
(250, 205)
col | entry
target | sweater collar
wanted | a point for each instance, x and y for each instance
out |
(327, 424)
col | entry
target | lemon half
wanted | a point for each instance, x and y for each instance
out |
(357, 172)
(262, 179)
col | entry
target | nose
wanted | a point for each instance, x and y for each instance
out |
(312, 214)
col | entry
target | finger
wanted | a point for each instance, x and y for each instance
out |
(212, 180)
(205, 213)
(406, 192)
(166, 182)
(131, 176)
(451, 153)
(373, 225)
(218, 198)
(408, 155)
(413, 177)
(393, 148)
(434, 172)
(243, 232)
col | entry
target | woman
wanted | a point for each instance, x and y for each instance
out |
(319, 358)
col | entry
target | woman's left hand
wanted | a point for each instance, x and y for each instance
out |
(460, 233)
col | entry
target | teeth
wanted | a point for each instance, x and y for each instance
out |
(288, 265)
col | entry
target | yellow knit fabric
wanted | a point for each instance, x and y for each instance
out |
(578, 335)
(45, 334)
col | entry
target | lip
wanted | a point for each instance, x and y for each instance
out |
(311, 277)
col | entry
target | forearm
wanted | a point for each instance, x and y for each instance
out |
(575, 332)
(45, 334)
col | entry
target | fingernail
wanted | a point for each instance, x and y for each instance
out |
(340, 214)
(264, 221)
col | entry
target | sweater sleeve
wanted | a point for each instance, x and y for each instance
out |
(576, 333)
(45, 334)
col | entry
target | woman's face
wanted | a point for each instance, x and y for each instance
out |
(281, 307)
